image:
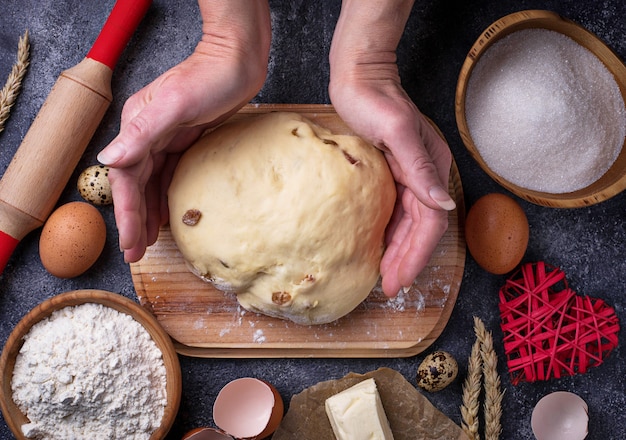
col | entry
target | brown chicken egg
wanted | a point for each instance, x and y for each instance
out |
(496, 232)
(72, 239)
(248, 408)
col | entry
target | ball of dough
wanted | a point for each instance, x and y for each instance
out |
(285, 214)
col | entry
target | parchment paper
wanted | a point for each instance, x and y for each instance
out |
(410, 414)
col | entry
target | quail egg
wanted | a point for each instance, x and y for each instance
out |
(93, 185)
(437, 371)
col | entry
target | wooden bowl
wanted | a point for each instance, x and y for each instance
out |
(12, 414)
(614, 180)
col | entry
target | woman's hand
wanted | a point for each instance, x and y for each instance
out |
(366, 92)
(226, 70)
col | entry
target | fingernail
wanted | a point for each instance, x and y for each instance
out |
(442, 198)
(110, 155)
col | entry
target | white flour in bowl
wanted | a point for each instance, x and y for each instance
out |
(92, 372)
(544, 112)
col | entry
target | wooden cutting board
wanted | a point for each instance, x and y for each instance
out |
(205, 322)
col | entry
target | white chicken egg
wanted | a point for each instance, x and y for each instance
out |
(560, 416)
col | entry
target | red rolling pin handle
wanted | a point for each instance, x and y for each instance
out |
(7, 246)
(117, 31)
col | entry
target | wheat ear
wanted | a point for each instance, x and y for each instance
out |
(12, 87)
(493, 391)
(471, 393)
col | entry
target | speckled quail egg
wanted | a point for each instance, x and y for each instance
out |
(437, 371)
(93, 185)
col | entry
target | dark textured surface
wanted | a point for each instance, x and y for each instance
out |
(588, 243)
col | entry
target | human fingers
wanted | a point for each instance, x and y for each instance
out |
(421, 158)
(157, 209)
(154, 196)
(381, 112)
(416, 232)
(144, 127)
(389, 263)
(422, 241)
(128, 185)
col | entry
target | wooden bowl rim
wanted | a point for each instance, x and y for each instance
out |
(12, 414)
(614, 180)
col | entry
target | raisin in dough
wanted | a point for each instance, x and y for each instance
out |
(285, 214)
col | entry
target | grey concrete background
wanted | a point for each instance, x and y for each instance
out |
(588, 243)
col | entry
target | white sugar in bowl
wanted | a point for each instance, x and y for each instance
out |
(540, 106)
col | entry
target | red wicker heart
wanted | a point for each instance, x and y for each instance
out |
(549, 331)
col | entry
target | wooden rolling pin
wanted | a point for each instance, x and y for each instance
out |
(56, 140)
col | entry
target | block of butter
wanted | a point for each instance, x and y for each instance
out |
(358, 414)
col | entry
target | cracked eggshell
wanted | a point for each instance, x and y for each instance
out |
(248, 408)
(560, 416)
(437, 371)
(93, 185)
(206, 434)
